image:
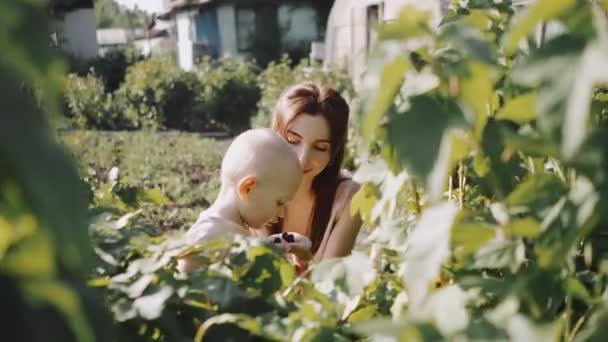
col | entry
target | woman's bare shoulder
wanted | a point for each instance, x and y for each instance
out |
(345, 191)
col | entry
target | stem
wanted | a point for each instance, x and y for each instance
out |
(461, 184)
(572, 177)
(579, 325)
(558, 170)
(543, 35)
(568, 314)
(296, 282)
(450, 187)
(417, 206)
(531, 164)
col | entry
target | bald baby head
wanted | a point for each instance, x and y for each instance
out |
(264, 171)
(259, 152)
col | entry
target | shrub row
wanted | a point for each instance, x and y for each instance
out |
(228, 94)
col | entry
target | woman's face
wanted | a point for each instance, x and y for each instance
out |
(310, 137)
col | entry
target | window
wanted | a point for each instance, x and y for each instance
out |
(245, 24)
(258, 32)
(298, 25)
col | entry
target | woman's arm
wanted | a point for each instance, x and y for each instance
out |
(342, 239)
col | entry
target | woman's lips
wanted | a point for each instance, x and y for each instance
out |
(307, 170)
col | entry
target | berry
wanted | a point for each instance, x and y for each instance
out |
(290, 238)
(277, 240)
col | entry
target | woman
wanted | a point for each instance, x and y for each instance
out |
(314, 121)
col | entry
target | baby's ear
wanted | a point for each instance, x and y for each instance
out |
(245, 186)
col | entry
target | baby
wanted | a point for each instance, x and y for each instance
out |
(259, 175)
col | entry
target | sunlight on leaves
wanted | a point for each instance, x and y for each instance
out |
(428, 247)
(537, 12)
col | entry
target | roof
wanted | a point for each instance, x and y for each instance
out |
(178, 5)
(71, 5)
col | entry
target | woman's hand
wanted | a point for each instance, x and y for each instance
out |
(293, 243)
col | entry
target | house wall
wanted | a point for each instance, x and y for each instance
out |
(184, 22)
(193, 29)
(77, 33)
(346, 42)
(226, 18)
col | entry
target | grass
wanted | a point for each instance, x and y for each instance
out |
(184, 166)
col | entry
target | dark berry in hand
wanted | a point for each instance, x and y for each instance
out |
(289, 238)
(284, 236)
(277, 240)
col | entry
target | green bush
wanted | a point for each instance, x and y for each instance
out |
(279, 75)
(229, 91)
(86, 100)
(111, 68)
(159, 95)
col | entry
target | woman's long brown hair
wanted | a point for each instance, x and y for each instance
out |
(311, 99)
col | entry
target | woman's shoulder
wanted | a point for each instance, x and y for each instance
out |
(346, 189)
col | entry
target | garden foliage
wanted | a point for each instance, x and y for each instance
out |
(484, 162)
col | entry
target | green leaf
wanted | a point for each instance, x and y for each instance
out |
(66, 300)
(349, 275)
(99, 282)
(287, 273)
(428, 247)
(521, 328)
(364, 314)
(417, 145)
(521, 109)
(468, 237)
(412, 22)
(392, 78)
(156, 196)
(481, 164)
(477, 92)
(470, 41)
(527, 227)
(32, 257)
(538, 188)
(364, 201)
(243, 321)
(593, 70)
(479, 19)
(578, 290)
(151, 306)
(537, 12)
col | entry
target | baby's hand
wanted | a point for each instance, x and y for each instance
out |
(295, 243)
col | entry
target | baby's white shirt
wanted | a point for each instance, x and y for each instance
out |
(208, 228)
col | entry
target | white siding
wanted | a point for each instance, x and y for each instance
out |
(185, 53)
(346, 42)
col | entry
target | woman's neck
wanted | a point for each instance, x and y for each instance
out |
(304, 192)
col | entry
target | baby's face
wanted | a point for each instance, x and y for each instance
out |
(267, 204)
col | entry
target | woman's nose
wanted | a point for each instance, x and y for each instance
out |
(304, 155)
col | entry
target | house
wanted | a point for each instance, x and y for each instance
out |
(75, 28)
(262, 30)
(146, 41)
(351, 25)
